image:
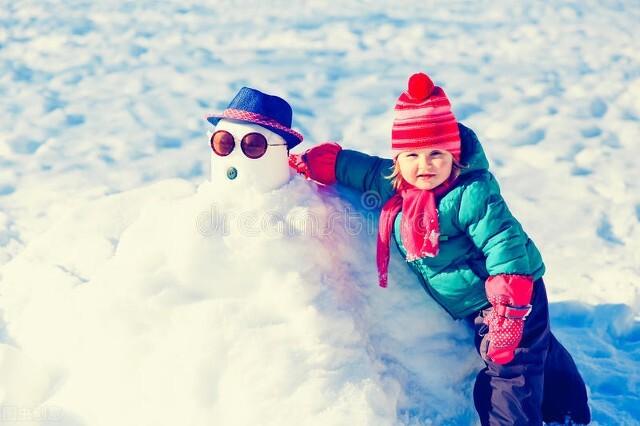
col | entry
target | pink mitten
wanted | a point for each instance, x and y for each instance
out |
(510, 296)
(317, 163)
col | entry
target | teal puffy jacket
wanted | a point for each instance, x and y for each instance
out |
(479, 235)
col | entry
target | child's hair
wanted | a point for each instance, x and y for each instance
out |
(396, 177)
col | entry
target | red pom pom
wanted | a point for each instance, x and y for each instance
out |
(420, 86)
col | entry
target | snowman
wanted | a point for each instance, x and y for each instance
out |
(251, 141)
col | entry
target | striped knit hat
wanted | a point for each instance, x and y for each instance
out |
(424, 119)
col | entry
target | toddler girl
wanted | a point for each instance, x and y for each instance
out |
(444, 210)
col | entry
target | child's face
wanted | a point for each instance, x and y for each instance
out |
(425, 168)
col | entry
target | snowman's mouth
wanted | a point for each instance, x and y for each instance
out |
(232, 173)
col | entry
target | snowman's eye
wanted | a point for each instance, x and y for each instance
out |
(222, 143)
(254, 145)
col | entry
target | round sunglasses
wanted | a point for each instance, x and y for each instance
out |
(253, 145)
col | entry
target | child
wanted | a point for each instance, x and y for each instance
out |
(444, 210)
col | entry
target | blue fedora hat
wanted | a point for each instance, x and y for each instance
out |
(268, 111)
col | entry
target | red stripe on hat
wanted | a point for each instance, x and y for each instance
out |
(435, 120)
(416, 130)
(450, 146)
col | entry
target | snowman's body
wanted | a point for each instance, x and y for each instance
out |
(237, 171)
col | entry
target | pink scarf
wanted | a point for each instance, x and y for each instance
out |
(419, 226)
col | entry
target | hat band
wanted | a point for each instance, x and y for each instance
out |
(254, 117)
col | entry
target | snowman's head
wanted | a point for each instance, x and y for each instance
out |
(246, 155)
(251, 142)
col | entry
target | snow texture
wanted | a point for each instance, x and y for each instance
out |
(133, 292)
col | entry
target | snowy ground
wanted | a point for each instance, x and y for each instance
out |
(121, 302)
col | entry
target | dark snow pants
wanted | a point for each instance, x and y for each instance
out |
(542, 383)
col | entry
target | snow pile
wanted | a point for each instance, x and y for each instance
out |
(165, 306)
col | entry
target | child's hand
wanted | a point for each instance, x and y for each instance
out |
(510, 296)
(317, 163)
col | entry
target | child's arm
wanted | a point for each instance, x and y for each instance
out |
(365, 173)
(494, 230)
(328, 163)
